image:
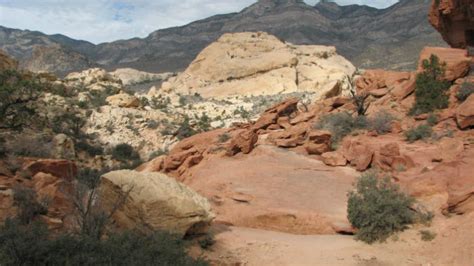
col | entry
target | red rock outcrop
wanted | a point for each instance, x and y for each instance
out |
(456, 60)
(465, 113)
(454, 19)
(56, 167)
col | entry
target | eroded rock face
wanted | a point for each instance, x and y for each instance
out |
(155, 202)
(256, 63)
(454, 20)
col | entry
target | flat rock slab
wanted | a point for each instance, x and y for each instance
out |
(275, 189)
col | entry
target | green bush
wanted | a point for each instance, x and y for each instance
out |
(418, 133)
(377, 208)
(382, 122)
(33, 245)
(17, 92)
(185, 130)
(124, 152)
(90, 149)
(430, 92)
(341, 124)
(26, 200)
(465, 91)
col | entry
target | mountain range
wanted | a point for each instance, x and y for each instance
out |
(389, 38)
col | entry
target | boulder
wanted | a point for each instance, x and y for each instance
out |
(358, 153)
(318, 142)
(454, 20)
(291, 137)
(465, 113)
(123, 100)
(388, 157)
(334, 158)
(154, 201)
(456, 60)
(243, 141)
(271, 115)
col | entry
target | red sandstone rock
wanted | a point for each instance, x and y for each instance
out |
(155, 165)
(59, 168)
(291, 137)
(456, 60)
(271, 115)
(244, 141)
(454, 20)
(357, 153)
(465, 113)
(334, 158)
(319, 142)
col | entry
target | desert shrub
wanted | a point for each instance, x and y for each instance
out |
(377, 208)
(3, 148)
(223, 138)
(185, 130)
(68, 123)
(90, 149)
(124, 152)
(427, 235)
(382, 122)
(204, 123)
(341, 124)
(430, 92)
(465, 91)
(359, 102)
(207, 241)
(28, 204)
(152, 124)
(17, 91)
(29, 145)
(34, 245)
(418, 133)
(432, 119)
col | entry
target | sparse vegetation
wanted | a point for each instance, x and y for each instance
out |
(341, 124)
(378, 209)
(124, 152)
(28, 204)
(381, 122)
(223, 138)
(465, 91)
(432, 119)
(427, 235)
(419, 133)
(430, 90)
(359, 102)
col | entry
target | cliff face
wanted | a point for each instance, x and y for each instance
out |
(388, 38)
(454, 19)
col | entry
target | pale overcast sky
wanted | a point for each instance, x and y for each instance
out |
(108, 20)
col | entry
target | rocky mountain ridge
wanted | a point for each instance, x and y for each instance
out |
(367, 36)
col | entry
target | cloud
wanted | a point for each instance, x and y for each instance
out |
(108, 20)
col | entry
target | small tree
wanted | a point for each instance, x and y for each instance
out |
(430, 89)
(359, 102)
(377, 208)
(92, 219)
(28, 204)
